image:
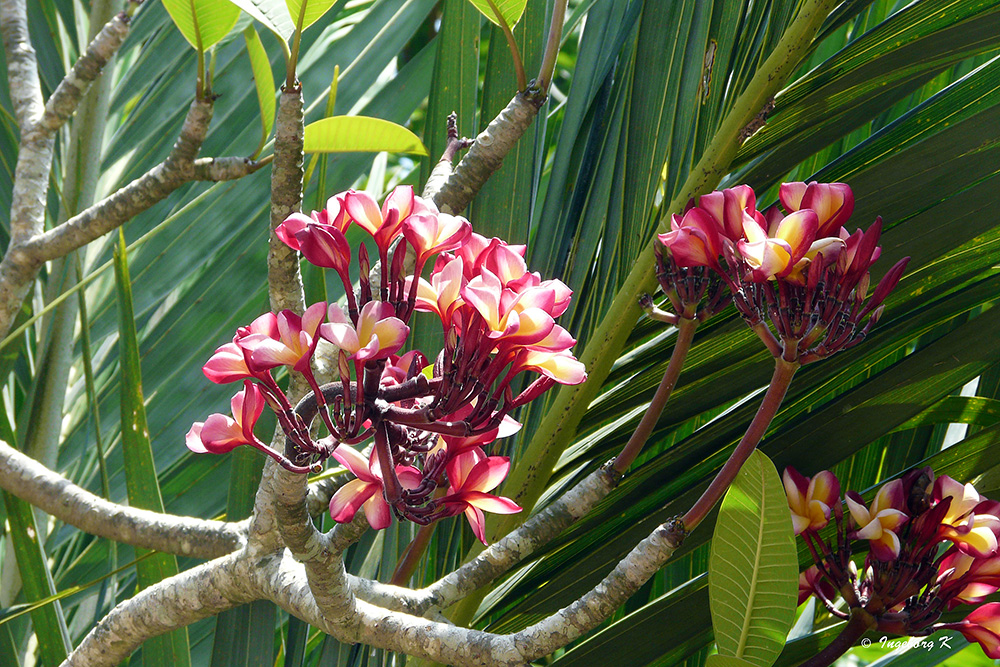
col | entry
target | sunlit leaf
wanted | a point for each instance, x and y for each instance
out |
(306, 12)
(352, 134)
(510, 10)
(753, 572)
(263, 81)
(203, 22)
(272, 14)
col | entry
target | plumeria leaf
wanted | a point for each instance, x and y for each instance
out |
(352, 134)
(264, 82)
(203, 22)
(719, 660)
(306, 12)
(510, 10)
(753, 570)
(272, 14)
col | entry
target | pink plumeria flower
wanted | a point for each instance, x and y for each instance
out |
(471, 475)
(810, 500)
(384, 223)
(230, 361)
(366, 492)
(509, 315)
(560, 366)
(879, 524)
(982, 626)
(503, 260)
(434, 232)
(294, 344)
(694, 240)
(726, 208)
(443, 294)
(220, 433)
(812, 582)
(832, 202)
(965, 579)
(971, 522)
(379, 332)
(322, 245)
(775, 252)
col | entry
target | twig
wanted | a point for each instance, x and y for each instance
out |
(51, 492)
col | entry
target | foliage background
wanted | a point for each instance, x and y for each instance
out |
(899, 100)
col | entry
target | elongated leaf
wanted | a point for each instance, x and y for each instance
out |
(171, 649)
(263, 80)
(203, 22)
(49, 623)
(753, 571)
(958, 410)
(272, 14)
(350, 134)
(306, 12)
(510, 10)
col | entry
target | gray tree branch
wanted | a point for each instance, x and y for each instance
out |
(22, 66)
(486, 153)
(29, 480)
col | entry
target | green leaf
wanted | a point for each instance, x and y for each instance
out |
(263, 80)
(171, 649)
(753, 571)
(958, 410)
(360, 134)
(719, 660)
(306, 12)
(203, 22)
(49, 623)
(272, 14)
(510, 10)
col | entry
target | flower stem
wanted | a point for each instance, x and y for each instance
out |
(783, 373)
(685, 334)
(859, 623)
(414, 550)
(515, 54)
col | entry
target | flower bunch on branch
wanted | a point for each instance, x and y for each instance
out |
(429, 416)
(932, 545)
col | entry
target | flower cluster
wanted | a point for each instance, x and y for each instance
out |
(793, 265)
(933, 545)
(429, 417)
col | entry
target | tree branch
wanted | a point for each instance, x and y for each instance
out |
(22, 66)
(190, 596)
(499, 557)
(487, 152)
(67, 95)
(28, 479)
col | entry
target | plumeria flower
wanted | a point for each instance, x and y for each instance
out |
(833, 203)
(726, 207)
(694, 240)
(965, 579)
(434, 232)
(379, 332)
(507, 314)
(971, 522)
(471, 474)
(810, 499)
(982, 626)
(384, 223)
(777, 252)
(560, 366)
(320, 235)
(443, 294)
(366, 492)
(294, 343)
(230, 361)
(812, 582)
(879, 524)
(220, 433)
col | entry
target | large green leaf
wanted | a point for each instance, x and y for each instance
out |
(203, 22)
(510, 10)
(351, 134)
(753, 572)
(306, 12)
(273, 14)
